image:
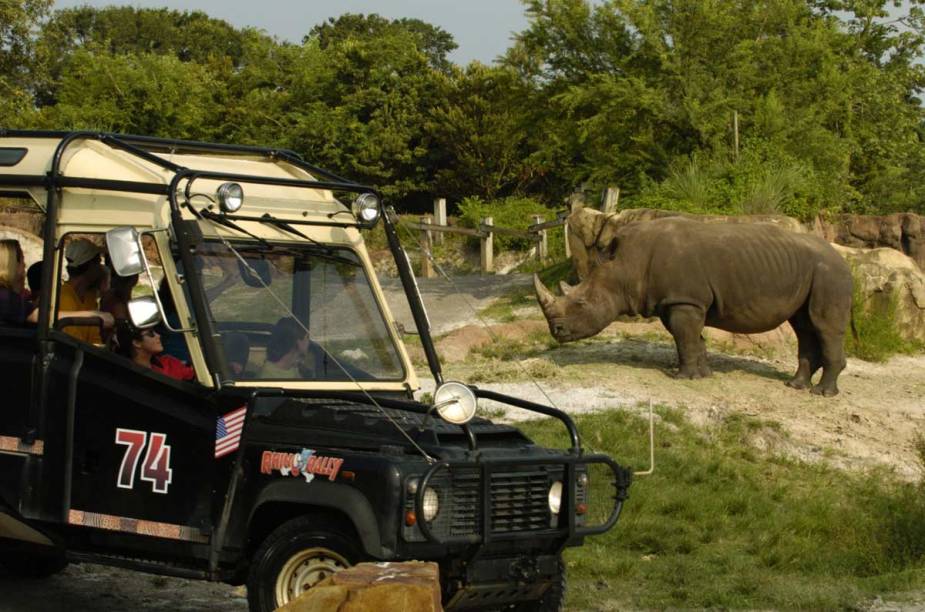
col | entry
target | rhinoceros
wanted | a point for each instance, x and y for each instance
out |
(741, 278)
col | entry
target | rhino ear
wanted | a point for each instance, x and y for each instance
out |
(576, 202)
(610, 251)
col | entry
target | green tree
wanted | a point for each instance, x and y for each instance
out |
(436, 43)
(624, 89)
(18, 19)
(479, 134)
(120, 30)
(141, 93)
(359, 104)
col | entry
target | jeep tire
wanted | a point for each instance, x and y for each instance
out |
(296, 556)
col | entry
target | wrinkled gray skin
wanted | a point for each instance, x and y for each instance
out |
(741, 278)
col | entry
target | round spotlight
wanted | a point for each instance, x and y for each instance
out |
(555, 497)
(230, 197)
(431, 504)
(366, 208)
(455, 402)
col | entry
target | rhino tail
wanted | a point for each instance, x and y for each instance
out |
(854, 329)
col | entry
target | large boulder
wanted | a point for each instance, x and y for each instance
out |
(888, 278)
(904, 232)
(372, 587)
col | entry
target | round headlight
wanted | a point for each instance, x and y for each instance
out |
(366, 208)
(455, 402)
(583, 480)
(555, 497)
(230, 197)
(431, 504)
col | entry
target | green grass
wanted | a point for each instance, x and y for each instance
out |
(722, 525)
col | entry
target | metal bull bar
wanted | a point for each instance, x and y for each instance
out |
(487, 467)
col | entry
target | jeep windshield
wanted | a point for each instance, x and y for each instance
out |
(263, 298)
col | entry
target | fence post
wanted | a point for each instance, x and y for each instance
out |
(439, 218)
(488, 259)
(568, 248)
(542, 244)
(611, 199)
(427, 267)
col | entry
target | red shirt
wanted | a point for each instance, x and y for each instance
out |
(172, 367)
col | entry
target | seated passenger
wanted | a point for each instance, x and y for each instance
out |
(86, 277)
(286, 349)
(34, 278)
(16, 310)
(115, 300)
(143, 346)
(237, 353)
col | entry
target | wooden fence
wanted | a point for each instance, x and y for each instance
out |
(431, 232)
(432, 228)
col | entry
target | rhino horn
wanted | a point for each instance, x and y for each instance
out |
(543, 295)
(565, 287)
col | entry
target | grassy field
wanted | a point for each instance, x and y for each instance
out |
(722, 525)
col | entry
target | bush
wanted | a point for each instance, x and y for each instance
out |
(874, 321)
(512, 213)
(764, 180)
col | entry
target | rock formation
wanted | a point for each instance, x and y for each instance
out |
(374, 587)
(904, 232)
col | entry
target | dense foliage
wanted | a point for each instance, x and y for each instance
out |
(796, 106)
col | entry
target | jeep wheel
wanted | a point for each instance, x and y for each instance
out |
(295, 557)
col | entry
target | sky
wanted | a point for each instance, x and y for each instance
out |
(482, 28)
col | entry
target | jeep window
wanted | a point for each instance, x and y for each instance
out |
(324, 289)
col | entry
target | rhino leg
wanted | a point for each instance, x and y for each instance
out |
(685, 323)
(833, 362)
(809, 352)
(830, 311)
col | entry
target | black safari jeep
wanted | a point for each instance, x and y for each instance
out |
(296, 447)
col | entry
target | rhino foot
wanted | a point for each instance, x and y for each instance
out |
(692, 374)
(798, 383)
(830, 391)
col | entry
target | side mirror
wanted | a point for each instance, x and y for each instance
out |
(144, 312)
(125, 251)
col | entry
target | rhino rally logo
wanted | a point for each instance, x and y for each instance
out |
(307, 464)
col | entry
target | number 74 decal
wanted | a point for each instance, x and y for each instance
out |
(156, 466)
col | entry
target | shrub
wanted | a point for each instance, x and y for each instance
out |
(513, 213)
(765, 179)
(874, 321)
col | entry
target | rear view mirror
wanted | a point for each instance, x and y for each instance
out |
(144, 312)
(125, 251)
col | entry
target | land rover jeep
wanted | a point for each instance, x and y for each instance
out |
(296, 447)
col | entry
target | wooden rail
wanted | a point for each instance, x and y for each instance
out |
(431, 232)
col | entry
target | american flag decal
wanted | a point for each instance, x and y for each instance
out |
(228, 432)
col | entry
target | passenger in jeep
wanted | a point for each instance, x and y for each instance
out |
(14, 308)
(86, 278)
(115, 300)
(286, 349)
(143, 347)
